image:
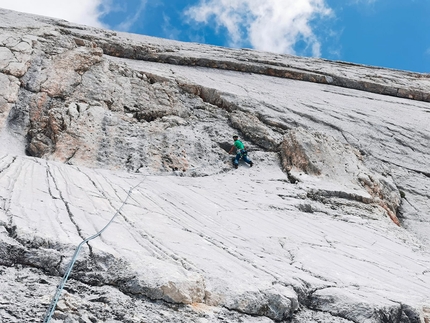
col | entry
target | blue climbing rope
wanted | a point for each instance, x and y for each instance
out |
(60, 287)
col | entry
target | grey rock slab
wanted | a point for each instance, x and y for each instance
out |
(176, 229)
(26, 294)
(6, 57)
(355, 306)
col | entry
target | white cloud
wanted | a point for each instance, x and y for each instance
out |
(269, 25)
(86, 12)
(169, 31)
(133, 18)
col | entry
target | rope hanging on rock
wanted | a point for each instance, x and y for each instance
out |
(60, 287)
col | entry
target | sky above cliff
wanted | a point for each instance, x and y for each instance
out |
(388, 33)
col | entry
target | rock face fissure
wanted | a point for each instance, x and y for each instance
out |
(418, 171)
(52, 178)
(8, 163)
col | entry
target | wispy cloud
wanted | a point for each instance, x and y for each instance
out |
(133, 18)
(169, 31)
(269, 25)
(87, 12)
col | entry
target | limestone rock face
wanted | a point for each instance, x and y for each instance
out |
(128, 135)
(323, 156)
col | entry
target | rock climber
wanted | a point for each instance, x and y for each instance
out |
(240, 152)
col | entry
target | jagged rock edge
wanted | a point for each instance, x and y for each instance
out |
(143, 52)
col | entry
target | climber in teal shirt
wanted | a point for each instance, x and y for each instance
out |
(240, 152)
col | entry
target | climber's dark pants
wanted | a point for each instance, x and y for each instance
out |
(241, 154)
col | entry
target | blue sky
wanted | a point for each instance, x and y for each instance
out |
(387, 33)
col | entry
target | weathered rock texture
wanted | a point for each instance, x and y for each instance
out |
(330, 225)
